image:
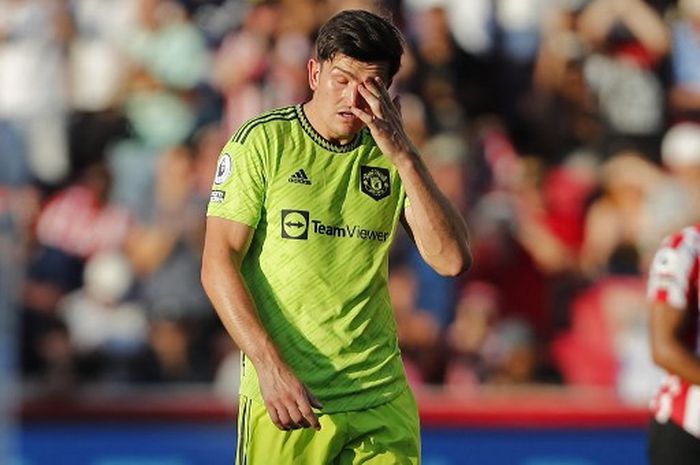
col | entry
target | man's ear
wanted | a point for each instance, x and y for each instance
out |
(314, 70)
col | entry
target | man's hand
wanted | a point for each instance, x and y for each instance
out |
(383, 119)
(287, 400)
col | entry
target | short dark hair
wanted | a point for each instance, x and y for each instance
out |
(361, 35)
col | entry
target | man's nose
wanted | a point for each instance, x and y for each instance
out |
(353, 95)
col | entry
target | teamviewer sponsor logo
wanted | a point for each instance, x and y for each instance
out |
(295, 224)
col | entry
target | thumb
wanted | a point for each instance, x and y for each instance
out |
(312, 399)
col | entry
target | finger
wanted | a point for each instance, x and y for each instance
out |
(390, 105)
(284, 420)
(382, 89)
(272, 412)
(297, 419)
(304, 423)
(309, 416)
(365, 117)
(374, 103)
(371, 85)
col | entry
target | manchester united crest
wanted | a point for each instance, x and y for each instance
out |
(375, 182)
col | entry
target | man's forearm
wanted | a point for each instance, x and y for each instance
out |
(227, 291)
(438, 229)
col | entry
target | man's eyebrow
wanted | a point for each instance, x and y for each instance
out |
(343, 71)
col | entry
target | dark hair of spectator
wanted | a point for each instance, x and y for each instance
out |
(361, 35)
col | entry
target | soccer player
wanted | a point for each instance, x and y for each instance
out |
(673, 291)
(305, 204)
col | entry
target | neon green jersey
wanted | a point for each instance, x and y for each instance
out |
(317, 267)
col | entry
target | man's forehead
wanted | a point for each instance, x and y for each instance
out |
(357, 68)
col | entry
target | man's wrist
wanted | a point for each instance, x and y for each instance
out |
(405, 160)
(266, 357)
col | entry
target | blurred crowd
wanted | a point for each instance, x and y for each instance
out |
(567, 132)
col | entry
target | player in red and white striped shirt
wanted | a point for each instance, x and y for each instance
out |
(673, 294)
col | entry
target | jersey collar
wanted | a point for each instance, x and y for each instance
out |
(322, 141)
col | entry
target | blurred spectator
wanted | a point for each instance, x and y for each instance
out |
(445, 156)
(418, 331)
(33, 89)
(511, 353)
(616, 221)
(241, 63)
(501, 258)
(676, 202)
(97, 73)
(685, 60)
(486, 347)
(76, 223)
(475, 316)
(562, 115)
(551, 208)
(607, 342)
(630, 40)
(414, 115)
(441, 72)
(516, 29)
(164, 247)
(107, 332)
(432, 308)
(167, 45)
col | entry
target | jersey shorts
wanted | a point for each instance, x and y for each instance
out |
(388, 434)
(668, 444)
(324, 217)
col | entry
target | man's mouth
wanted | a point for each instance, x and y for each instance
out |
(347, 115)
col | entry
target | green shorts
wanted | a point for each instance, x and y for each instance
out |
(387, 434)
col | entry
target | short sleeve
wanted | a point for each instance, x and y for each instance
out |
(238, 190)
(671, 274)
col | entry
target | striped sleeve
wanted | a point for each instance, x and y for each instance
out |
(674, 269)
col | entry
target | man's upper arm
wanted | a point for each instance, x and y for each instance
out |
(227, 238)
(666, 322)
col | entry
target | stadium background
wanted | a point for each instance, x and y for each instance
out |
(563, 129)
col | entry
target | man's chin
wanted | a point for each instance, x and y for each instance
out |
(349, 130)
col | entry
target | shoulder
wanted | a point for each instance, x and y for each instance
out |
(678, 252)
(268, 123)
(686, 238)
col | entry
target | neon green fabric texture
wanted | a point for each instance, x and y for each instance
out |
(388, 434)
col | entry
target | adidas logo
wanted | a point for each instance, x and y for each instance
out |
(300, 177)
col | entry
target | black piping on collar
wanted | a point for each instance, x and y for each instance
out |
(322, 141)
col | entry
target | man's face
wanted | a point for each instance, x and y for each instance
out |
(335, 85)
